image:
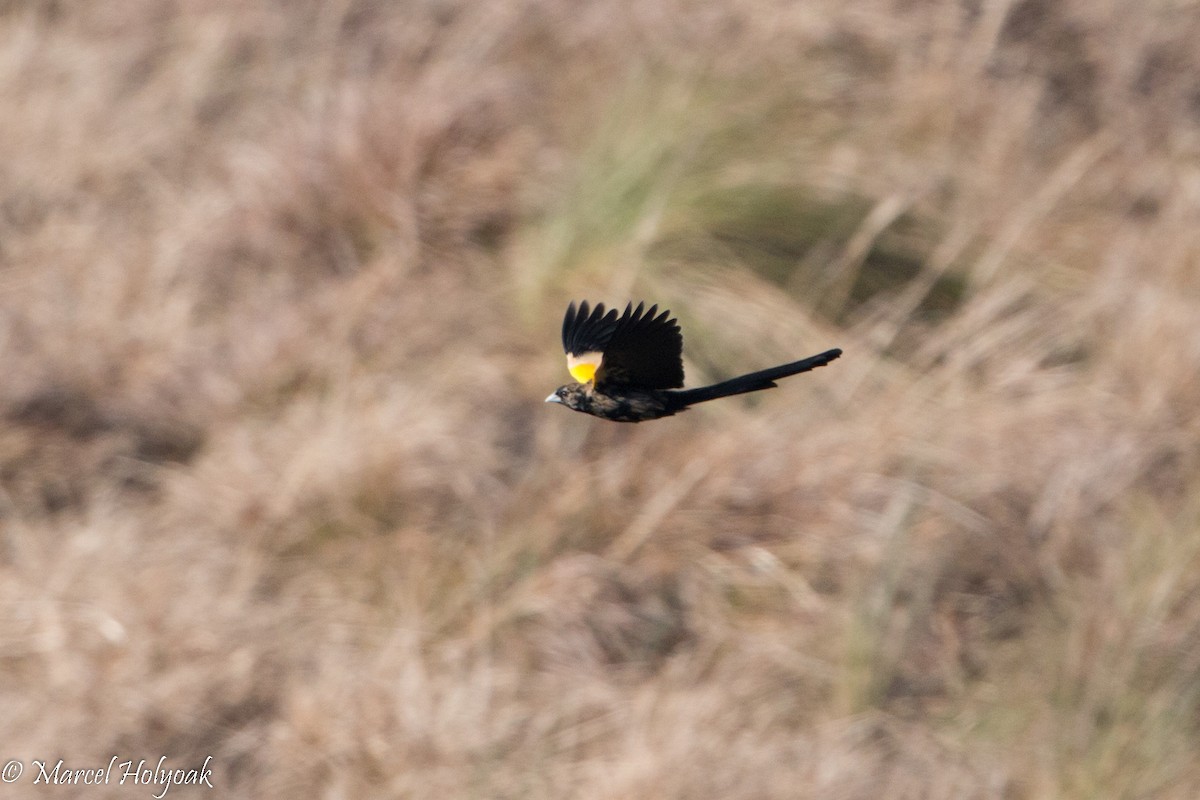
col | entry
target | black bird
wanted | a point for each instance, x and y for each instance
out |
(629, 368)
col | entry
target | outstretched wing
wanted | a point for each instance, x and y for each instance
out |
(640, 348)
(585, 334)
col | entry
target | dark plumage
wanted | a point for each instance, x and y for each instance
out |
(629, 368)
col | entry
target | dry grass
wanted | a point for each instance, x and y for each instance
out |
(279, 293)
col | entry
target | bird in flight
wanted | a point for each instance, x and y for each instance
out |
(629, 368)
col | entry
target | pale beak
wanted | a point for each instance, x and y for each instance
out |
(553, 399)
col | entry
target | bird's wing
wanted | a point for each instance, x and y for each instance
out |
(585, 334)
(640, 348)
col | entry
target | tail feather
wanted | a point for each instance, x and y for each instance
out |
(753, 382)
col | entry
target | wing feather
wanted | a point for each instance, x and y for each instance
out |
(642, 348)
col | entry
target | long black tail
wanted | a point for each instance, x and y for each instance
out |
(764, 379)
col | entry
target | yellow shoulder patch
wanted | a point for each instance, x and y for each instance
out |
(583, 367)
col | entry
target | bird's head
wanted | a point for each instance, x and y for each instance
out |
(572, 395)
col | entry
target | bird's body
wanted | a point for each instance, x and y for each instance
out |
(632, 405)
(630, 368)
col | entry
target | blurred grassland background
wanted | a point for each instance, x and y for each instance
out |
(280, 288)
